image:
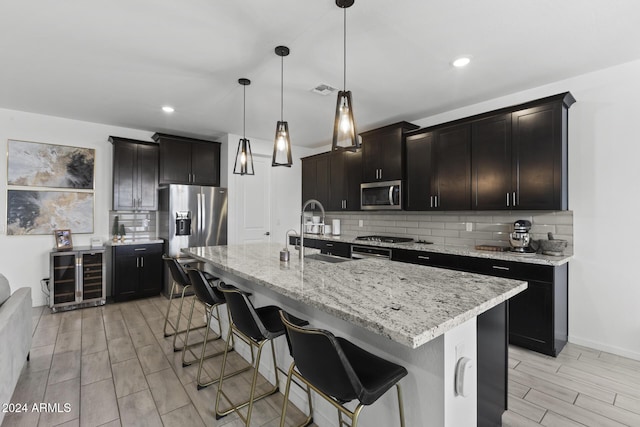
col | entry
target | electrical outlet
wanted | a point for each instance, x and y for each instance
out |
(360, 223)
(469, 226)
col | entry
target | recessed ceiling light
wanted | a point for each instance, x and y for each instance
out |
(168, 109)
(463, 61)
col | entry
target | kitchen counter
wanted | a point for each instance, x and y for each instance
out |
(421, 317)
(451, 250)
(130, 242)
(406, 303)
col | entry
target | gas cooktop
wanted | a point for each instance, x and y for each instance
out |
(385, 239)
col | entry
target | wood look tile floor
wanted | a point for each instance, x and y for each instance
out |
(115, 367)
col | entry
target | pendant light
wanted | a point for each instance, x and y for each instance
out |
(244, 158)
(282, 142)
(344, 126)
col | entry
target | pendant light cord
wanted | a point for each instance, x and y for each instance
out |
(344, 50)
(244, 111)
(282, 88)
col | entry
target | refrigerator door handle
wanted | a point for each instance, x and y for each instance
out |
(202, 216)
(198, 214)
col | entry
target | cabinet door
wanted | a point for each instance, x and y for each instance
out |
(491, 163)
(322, 179)
(175, 161)
(337, 180)
(125, 274)
(150, 272)
(124, 175)
(538, 158)
(382, 155)
(453, 167)
(205, 163)
(419, 172)
(353, 179)
(147, 177)
(531, 317)
(309, 169)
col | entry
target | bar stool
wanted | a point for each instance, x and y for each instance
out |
(256, 327)
(179, 278)
(211, 298)
(338, 370)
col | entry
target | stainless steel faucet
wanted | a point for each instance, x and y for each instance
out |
(304, 206)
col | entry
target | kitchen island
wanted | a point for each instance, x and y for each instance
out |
(424, 318)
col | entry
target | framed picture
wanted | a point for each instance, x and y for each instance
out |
(34, 164)
(42, 212)
(63, 240)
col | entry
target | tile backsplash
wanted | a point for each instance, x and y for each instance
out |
(450, 228)
(139, 226)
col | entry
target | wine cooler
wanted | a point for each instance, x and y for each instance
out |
(77, 279)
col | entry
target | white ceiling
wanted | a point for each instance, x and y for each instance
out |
(118, 61)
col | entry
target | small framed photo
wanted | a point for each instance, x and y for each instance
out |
(63, 240)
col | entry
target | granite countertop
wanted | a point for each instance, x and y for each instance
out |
(137, 242)
(452, 250)
(409, 304)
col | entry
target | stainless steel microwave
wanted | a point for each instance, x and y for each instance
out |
(381, 195)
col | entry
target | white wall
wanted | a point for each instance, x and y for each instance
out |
(604, 290)
(25, 259)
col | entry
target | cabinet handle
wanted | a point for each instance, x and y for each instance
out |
(436, 199)
(499, 267)
(423, 257)
(514, 198)
(193, 177)
(431, 201)
(140, 249)
(329, 245)
(142, 262)
(380, 173)
(137, 262)
(507, 199)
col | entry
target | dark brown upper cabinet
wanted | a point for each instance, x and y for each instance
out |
(315, 178)
(438, 169)
(188, 161)
(135, 174)
(345, 168)
(383, 153)
(519, 157)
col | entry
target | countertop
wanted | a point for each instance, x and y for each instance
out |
(137, 242)
(409, 304)
(452, 250)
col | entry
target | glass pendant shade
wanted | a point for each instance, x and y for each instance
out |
(344, 126)
(282, 146)
(244, 157)
(282, 142)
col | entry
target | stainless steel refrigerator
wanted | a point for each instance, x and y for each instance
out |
(191, 216)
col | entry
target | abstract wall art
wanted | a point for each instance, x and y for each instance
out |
(36, 164)
(42, 212)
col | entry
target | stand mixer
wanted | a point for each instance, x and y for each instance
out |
(520, 237)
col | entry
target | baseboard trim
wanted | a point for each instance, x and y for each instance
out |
(635, 355)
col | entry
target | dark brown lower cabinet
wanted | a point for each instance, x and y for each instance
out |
(136, 271)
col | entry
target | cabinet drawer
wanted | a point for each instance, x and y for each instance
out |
(424, 258)
(510, 270)
(334, 248)
(138, 250)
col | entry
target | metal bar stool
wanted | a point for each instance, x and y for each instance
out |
(211, 298)
(339, 371)
(179, 278)
(256, 327)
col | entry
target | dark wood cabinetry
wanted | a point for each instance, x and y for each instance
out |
(438, 169)
(188, 161)
(315, 178)
(344, 180)
(135, 174)
(383, 154)
(136, 271)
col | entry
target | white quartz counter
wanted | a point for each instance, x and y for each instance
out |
(451, 250)
(409, 304)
